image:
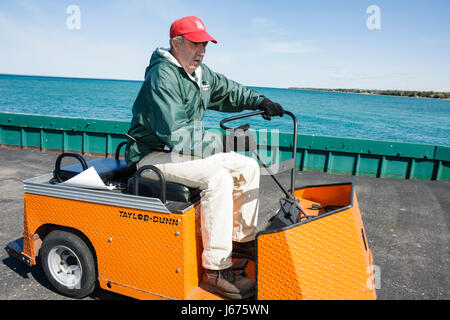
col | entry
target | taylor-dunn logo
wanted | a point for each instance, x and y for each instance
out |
(147, 218)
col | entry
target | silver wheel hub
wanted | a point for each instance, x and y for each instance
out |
(65, 267)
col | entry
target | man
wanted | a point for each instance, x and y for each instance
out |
(167, 114)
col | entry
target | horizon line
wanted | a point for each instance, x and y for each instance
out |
(132, 80)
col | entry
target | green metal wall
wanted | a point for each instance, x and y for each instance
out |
(61, 134)
(314, 153)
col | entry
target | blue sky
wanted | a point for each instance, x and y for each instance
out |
(321, 44)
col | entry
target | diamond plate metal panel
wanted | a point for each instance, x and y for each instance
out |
(322, 259)
(154, 252)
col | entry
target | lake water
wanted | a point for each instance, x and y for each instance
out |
(400, 119)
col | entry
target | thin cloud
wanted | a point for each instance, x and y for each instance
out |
(262, 25)
(288, 47)
(259, 21)
(267, 26)
(28, 5)
(436, 40)
(58, 52)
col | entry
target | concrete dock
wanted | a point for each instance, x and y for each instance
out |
(406, 223)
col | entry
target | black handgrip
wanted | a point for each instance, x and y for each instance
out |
(57, 171)
(158, 172)
(118, 149)
(244, 127)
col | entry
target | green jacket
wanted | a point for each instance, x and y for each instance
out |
(171, 104)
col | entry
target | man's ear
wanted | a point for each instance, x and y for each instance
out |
(176, 43)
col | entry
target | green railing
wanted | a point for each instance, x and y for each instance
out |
(314, 153)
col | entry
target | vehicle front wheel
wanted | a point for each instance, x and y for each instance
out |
(68, 264)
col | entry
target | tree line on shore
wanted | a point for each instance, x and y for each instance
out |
(401, 93)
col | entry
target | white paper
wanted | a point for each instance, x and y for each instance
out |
(89, 178)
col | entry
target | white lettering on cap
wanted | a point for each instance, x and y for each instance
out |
(199, 25)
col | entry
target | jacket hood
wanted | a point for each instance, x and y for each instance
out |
(163, 54)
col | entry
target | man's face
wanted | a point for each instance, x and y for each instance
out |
(189, 54)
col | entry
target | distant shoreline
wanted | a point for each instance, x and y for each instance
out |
(439, 95)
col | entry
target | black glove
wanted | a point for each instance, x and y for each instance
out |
(270, 109)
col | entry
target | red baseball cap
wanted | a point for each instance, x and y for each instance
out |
(192, 28)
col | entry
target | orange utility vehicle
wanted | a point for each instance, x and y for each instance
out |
(142, 237)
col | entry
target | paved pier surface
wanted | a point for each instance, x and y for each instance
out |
(406, 223)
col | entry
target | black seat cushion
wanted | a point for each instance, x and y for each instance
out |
(174, 191)
(109, 169)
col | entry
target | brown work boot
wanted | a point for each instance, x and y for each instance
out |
(228, 284)
(244, 250)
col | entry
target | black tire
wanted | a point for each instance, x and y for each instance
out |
(68, 264)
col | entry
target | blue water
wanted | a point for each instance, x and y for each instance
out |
(385, 118)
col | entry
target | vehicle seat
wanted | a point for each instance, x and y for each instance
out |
(116, 170)
(109, 169)
(174, 191)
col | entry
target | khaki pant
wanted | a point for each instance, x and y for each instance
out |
(229, 198)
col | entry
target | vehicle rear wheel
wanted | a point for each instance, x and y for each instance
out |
(68, 264)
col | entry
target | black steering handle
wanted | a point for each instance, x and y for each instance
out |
(251, 114)
(294, 143)
(240, 116)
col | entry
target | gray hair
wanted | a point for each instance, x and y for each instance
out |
(179, 38)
